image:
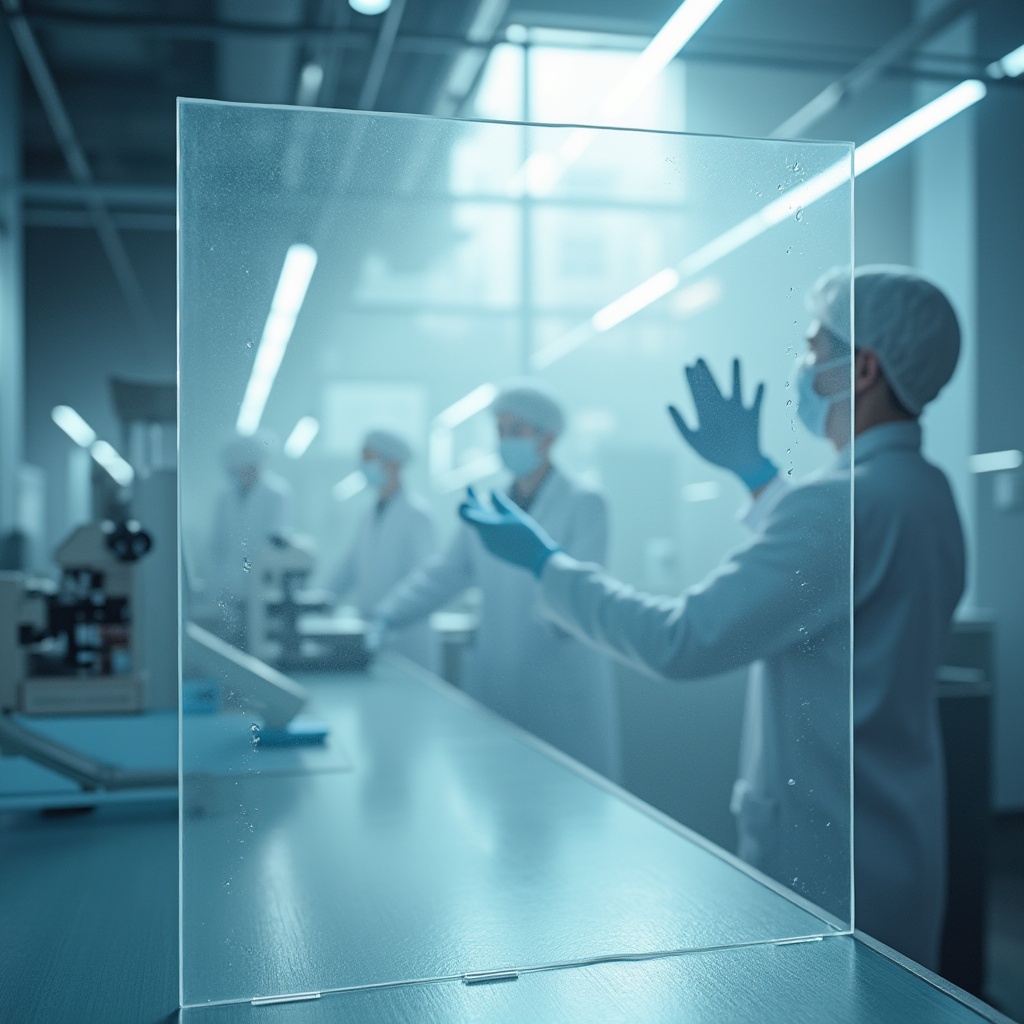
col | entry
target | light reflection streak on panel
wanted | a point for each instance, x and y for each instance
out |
(542, 171)
(996, 462)
(299, 264)
(349, 486)
(302, 436)
(446, 476)
(792, 203)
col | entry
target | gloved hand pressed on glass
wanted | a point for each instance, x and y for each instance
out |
(508, 532)
(727, 432)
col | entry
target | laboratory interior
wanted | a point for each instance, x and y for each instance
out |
(511, 510)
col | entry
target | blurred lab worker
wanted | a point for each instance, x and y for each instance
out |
(908, 577)
(395, 538)
(521, 664)
(253, 509)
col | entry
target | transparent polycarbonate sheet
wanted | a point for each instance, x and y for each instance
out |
(378, 272)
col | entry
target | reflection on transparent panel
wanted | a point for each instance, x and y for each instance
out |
(423, 838)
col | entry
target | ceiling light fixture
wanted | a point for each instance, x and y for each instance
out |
(868, 155)
(299, 264)
(73, 425)
(301, 437)
(349, 486)
(996, 462)
(469, 405)
(659, 53)
(369, 6)
(311, 78)
(1010, 66)
(107, 456)
(542, 171)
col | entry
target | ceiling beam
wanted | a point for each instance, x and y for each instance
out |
(868, 71)
(81, 171)
(837, 60)
(382, 51)
(155, 197)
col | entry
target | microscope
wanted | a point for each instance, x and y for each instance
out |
(290, 625)
(73, 647)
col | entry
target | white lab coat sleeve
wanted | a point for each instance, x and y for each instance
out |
(588, 535)
(343, 579)
(426, 589)
(421, 541)
(757, 510)
(778, 591)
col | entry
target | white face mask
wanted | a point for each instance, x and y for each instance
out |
(374, 473)
(811, 407)
(520, 455)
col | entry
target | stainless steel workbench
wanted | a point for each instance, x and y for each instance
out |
(442, 842)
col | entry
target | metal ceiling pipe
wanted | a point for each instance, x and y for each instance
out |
(752, 53)
(868, 71)
(466, 70)
(78, 164)
(260, 69)
(111, 194)
(370, 91)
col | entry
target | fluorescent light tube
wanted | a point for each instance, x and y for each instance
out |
(106, 455)
(996, 462)
(790, 204)
(635, 299)
(919, 123)
(542, 172)
(690, 300)
(73, 425)
(469, 405)
(706, 491)
(660, 51)
(697, 296)
(463, 476)
(1010, 66)
(311, 79)
(299, 264)
(301, 437)
(349, 486)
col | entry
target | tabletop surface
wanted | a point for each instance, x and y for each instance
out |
(451, 843)
(441, 844)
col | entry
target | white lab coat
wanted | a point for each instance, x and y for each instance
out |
(782, 601)
(391, 542)
(243, 525)
(521, 664)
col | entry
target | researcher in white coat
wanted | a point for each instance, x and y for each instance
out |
(521, 664)
(254, 508)
(395, 537)
(782, 602)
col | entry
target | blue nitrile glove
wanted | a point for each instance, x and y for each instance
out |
(508, 532)
(727, 431)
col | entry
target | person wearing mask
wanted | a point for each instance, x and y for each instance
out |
(521, 664)
(254, 508)
(782, 601)
(395, 537)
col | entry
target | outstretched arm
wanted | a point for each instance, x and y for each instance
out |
(777, 592)
(426, 589)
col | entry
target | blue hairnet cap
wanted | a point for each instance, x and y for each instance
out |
(904, 318)
(388, 446)
(533, 401)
